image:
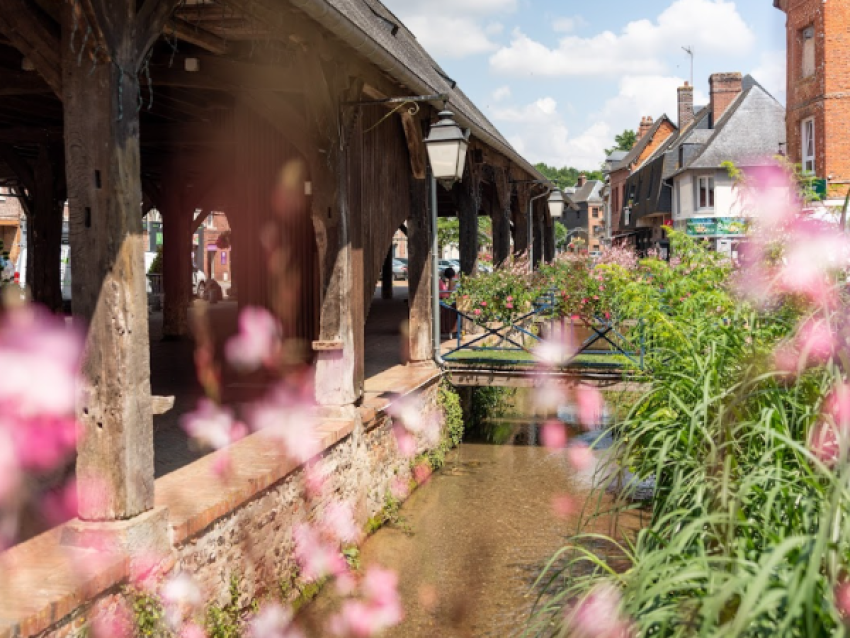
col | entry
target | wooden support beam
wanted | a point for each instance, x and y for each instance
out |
(176, 254)
(44, 234)
(35, 38)
(520, 218)
(419, 272)
(467, 197)
(19, 166)
(150, 22)
(548, 238)
(22, 83)
(387, 276)
(193, 34)
(115, 471)
(500, 213)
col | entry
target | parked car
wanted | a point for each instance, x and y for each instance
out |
(399, 270)
(199, 282)
(447, 263)
(484, 268)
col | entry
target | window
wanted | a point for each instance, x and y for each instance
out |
(807, 67)
(705, 193)
(594, 212)
(628, 214)
(223, 258)
(808, 145)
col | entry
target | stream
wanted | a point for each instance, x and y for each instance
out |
(471, 542)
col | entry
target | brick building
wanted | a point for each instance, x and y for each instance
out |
(585, 221)
(10, 223)
(818, 103)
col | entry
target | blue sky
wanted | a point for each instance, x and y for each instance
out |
(561, 78)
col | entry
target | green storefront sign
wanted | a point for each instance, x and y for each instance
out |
(717, 226)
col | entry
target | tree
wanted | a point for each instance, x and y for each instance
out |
(625, 141)
(567, 176)
(448, 231)
(561, 235)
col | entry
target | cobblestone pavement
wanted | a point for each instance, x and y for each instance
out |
(173, 369)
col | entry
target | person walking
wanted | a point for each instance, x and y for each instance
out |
(448, 317)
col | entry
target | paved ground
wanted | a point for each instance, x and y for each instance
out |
(173, 368)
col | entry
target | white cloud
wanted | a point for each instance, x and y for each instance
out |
(639, 96)
(502, 93)
(451, 37)
(569, 24)
(770, 73)
(639, 48)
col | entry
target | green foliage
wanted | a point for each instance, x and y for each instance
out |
(148, 614)
(223, 622)
(389, 515)
(352, 557)
(448, 231)
(625, 141)
(448, 402)
(156, 264)
(566, 177)
(749, 532)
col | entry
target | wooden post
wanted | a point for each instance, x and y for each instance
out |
(520, 219)
(548, 238)
(45, 235)
(176, 256)
(387, 276)
(467, 198)
(501, 211)
(419, 272)
(537, 225)
(115, 470)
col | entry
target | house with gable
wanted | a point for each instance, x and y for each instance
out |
(684, 183)
(585, 219)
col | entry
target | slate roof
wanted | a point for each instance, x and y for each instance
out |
(382, 29)
(590, 192)
(749, 132)
(641, 144)
(616, 156)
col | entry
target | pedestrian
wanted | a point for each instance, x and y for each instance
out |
(448, 315)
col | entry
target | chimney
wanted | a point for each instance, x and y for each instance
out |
(724, 87)
(582, 180)
(645, 125)
(686, 105)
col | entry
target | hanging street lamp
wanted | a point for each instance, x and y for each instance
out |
(447, 144)
(556, 204)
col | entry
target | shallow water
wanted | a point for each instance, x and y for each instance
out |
(472, 541)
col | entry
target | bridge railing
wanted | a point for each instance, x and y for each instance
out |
(541, 336)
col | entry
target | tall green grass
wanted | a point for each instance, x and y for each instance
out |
(749, 532)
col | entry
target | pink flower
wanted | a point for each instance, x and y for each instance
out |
(273, 621)
(483, 304)
(290, 420)
(786, 359)
(564, 506)
(379, 610)
(509, 306)
(580, 457)
(510, 298)
(339, 522)
(598, 615)
(181, 597)
(553, 435)
(591, 406)
(842, 598)
(816, 339)
(257, 341)
(823, 442)
(405, 441)
(212, 426)
(316, 558)
(838, 405)
(477, 311)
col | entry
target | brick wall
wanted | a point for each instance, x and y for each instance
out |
(724, 88)
(825, 94)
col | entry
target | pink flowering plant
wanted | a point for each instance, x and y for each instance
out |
(745, 436)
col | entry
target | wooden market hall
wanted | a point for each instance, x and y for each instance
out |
(277, 112)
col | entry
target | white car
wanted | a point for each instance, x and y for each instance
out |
(199, 283)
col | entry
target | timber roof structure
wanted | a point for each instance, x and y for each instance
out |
(215, 53)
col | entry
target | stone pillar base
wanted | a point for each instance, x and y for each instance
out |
(143, 539)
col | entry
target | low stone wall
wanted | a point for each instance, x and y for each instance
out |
(241, 527)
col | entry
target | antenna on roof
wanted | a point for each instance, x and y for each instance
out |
(690, 51)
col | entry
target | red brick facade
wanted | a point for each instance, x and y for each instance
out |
(820, 88)
(724, 88)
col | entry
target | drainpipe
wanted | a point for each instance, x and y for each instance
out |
(531, 226)
(435, 274)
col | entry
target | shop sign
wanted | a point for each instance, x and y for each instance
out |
(716, 226)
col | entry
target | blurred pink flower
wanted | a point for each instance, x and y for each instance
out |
(580, 456)
(422, 473)
(824, 443)
(564, 506)
(591, 406)
(316, 558)
(339, 522)
(212, 426)
(477, 311)
(399, 488)
(181, 597)
(838, 405)
(598, 616)
(115, 622)
(842, 598)
(273, 621)
(290, 419)
(191, 630)
(816, 339)
(405, 441)
(786, 359)
(379, 610)
(553, 435)
(257, 341)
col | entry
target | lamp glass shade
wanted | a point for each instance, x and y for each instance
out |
(447, 145)
(556, 204)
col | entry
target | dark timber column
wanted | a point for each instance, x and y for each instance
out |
(387, 277)
(176, 256)
(519, 206)
(101, 97)
(501, 214)
(548, 238)
(419, 272)
(537, 218)
(467, 198)
(45, 235)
